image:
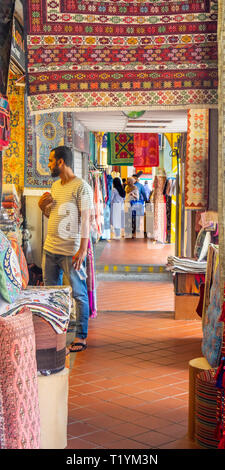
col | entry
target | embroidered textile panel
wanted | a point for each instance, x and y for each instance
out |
(44, 132)
(120, 149)
(13, 156)
(120, 54)
(196, 171)
(146, 150)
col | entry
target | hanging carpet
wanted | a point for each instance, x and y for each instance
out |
(44, 132)
(120, 149)
(146, 150)
(196, 172)
(127, 55)
(13, 156)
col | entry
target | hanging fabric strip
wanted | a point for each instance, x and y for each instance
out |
(146, 150)
(196, 171)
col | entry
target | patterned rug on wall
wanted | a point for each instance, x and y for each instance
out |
(44, 132)
(120, 149)
(146, 150)
(13, 156)
(114, 54)
(196, 170)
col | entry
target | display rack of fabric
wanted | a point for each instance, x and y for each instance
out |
(11, 219)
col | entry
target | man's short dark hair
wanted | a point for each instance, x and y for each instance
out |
(65, 153)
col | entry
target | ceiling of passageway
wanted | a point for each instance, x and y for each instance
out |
(151, 121)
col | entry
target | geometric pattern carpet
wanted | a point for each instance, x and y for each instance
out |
(109, 55)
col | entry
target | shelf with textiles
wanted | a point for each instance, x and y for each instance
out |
(11, 219)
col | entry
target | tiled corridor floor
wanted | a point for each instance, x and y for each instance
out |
(133, 251)
(135, 296)
(129, 389)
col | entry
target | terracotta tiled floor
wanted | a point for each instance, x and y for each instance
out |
(135, 251)
(135, 296)
(129, 389)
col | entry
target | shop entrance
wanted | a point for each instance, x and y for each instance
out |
(132, 249)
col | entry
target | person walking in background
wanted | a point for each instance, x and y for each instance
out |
(141, 189)
(132, 193)
(69, 209)
(147, 190)
(117, 207)
(132, 196)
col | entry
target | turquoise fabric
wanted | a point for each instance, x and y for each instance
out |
(92, 147)
(10, 274)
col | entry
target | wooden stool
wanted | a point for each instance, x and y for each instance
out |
(53, 404)
(195, 366)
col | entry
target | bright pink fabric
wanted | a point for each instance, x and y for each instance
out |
(146, 150)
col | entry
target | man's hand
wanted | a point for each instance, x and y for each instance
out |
(78, 259)
(45, 203)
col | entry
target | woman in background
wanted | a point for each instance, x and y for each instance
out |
(132, 195)
(117, 207)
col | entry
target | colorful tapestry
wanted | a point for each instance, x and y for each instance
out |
(19, 403)
(128, 55)
(120, 149)
(146, 150)
(44, 132)
(13, 156)
(196, 169)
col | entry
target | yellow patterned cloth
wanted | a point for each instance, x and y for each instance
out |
(13, 156)
(196, 173)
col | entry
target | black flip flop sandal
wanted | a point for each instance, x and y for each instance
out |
(81, 345)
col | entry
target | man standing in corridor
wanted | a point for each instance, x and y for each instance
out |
(65, 249)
